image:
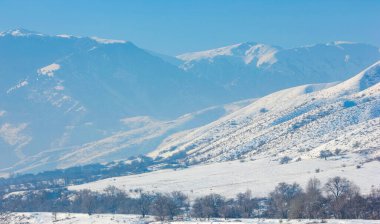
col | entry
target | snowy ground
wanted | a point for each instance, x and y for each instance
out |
(229, 178)
(66, 218)
(73, 218)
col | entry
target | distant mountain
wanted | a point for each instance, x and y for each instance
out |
(58, 92)
(254, 69)
(68, 100)
(296, 123)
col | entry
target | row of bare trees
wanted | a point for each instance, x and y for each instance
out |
(338, 198)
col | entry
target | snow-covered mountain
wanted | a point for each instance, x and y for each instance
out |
(254, 69)
(310, 131)
(296, 123)
(136, 135)
(61, 92)
(68, 100)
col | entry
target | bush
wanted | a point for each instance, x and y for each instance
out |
(349, 103)
(285, 159)
(263, 110)
(325, 153)
(356, 144)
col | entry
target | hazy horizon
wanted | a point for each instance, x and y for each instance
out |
(173, 28)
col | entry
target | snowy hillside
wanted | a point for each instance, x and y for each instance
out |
(297, 123)
(230, 178)
(321, 131)
(74, 218)
(139, 134)
(63, 218)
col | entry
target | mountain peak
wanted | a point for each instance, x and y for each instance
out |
(362, 81)
(20, 32)
(248, 51)
(341, 42)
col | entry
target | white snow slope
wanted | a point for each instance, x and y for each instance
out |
(295, 124)
(66, 218)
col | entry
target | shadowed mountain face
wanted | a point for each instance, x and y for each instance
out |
(59, 91)
(61, 95)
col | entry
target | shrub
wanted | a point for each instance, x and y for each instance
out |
(325, 153)
(349, 103)
(263, 110)
(285, 159)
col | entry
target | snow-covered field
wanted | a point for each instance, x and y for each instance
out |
(229, 178)
(72, 218)
(66, 218)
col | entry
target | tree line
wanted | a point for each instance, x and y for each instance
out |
(338, 198)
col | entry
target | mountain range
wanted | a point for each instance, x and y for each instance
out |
(68, 100)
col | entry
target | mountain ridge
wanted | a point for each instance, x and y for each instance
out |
(62, 93)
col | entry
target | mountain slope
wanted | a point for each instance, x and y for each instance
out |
(253, 69)
(137, 135)
(60, 92)
(297, 123)
(311, 131)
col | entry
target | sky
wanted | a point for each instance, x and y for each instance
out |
(173, 27)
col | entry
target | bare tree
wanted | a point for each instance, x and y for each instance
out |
(280, 198)
(178, 203)
(87, 201)
(246, 204)
(340, 191)
(208, 206)
(160, 206)
(143, 203)
(373, 204)
(313, 206)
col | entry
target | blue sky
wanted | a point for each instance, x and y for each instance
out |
(173, 27)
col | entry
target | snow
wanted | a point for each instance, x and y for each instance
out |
(340, 42)
(108, 41)
(74, 218)
(59, 88)
(365, 79)
(298, 122)
(49, 70)
(12, 134)
(136, 131)
(18, 86)
(276, 221)
(295, 122)
(67, 36)
(230, 178)
(248, 52)
(77, 218)
(208, 54)
(254, 70)
(71, 90)
(20, 33)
